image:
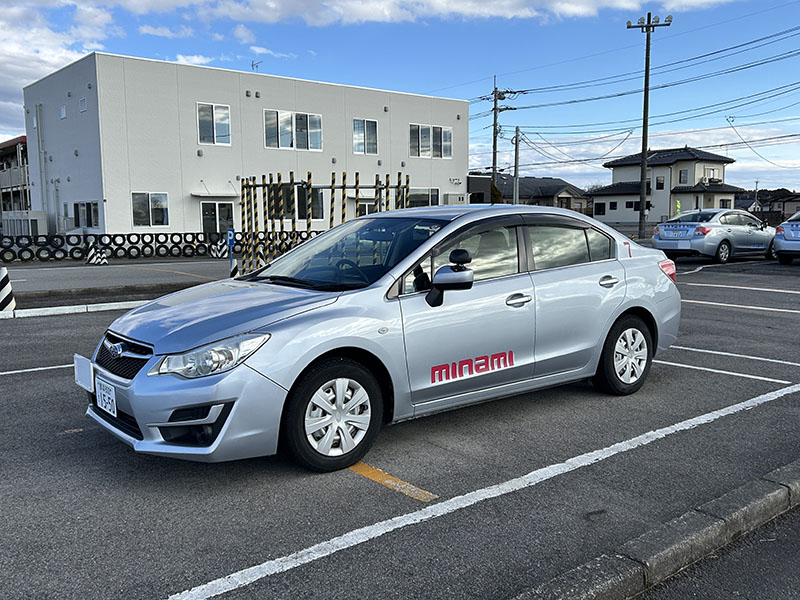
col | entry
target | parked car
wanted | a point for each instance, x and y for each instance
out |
(787, 240)
(387, 317)
(718, 233)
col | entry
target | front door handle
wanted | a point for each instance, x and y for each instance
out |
(608, 281)
(517, 300)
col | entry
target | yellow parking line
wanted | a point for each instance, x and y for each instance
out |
(393, 483)
(171, 271)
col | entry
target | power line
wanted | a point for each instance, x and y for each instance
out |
(764, 158)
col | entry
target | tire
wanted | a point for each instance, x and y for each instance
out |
(607, 378)
(56, 241)
(41, 241)
(119, 252)
(59, 254)
(148, 251)
(6, 242)
(300, 408)
(201, 250)
(148, 239)
(133, 238)
(44, 253)
(784, 259)
(723, 254)
(7, 255)
(118, 240)
(134, 252)
(188, 251)
(73, 240)
(76, 253)
(176, 238)
(175, 250)
(162, 238)
(24, 241)
(162, 251)
(771, 255)
(25, 254)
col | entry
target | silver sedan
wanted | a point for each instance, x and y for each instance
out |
(718, 233)
(384, 318)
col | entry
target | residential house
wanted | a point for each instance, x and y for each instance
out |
(541, 191)
(679, 179)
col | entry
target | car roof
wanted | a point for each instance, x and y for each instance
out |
(450, 212)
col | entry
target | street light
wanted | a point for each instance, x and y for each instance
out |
(646, 26)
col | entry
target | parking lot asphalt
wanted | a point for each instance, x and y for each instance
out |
(84, 517)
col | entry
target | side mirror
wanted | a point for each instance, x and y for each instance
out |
(457, 277)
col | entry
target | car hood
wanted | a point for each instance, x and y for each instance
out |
(213, 311)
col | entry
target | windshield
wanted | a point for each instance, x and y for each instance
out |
(351, 256)
(698, 217)
(795, 217)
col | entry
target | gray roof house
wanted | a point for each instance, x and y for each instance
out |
(542, 191)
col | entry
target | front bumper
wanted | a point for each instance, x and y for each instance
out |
(250, 415)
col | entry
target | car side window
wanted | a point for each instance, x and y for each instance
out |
(599, 245)
(726, 219)
(493, 251)
(557, 246)
(749, 221)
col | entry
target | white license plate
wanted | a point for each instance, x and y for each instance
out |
(106, 396)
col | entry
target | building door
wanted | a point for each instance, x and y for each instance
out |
(216, 216)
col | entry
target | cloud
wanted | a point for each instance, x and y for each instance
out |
(243, 34)
(166, 32)
(193, 59)
(217, 37)
(261, 50)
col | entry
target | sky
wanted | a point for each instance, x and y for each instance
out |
(725, 73)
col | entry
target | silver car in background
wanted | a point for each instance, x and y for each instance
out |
(718, 233)
(787, 240)
(384, 318)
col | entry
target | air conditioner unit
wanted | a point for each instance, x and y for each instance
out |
(704, 180)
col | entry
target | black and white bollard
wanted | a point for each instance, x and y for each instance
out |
(96, 256)
(234, 269)
(7, 301)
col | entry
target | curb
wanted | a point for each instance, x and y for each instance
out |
(48, 311)
(649, 559)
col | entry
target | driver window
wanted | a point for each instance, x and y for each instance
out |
(493, 252)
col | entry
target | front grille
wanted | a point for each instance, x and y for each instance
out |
(123, 421)
(124, 366)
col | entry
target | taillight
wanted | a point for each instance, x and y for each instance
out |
(669, 270)
(702, 230)
(655, 230)
(779, 230)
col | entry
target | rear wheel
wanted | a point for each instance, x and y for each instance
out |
(333, 415)
(723, 254)
(626, 358)
(771, 255)
(784, 259)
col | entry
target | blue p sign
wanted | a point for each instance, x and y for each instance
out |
(230, 237)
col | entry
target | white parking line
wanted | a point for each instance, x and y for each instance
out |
(731, 373)
(698, 269)
(34, 369)
(740, 287)
(744, 306)
(370, 532)
(731, 354)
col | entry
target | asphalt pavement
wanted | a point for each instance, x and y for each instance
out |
(519, 498)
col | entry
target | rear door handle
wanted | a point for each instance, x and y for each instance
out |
(608, 281)
(517, 300)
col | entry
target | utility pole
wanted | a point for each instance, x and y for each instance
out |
(516, 165)
(646, 27)
(494, 132)
(756, 198)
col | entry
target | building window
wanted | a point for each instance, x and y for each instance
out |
(423, 197)
(85, 214)
(63, 111)
(365, 136)
(308, 131)
(683, 176)
(697, 202)
(214, 124)
(612, 206)
(660, 182)
(150, 209)
(82, 104)
(711, 172)
(599, 208)
(725, 203)
(426, 141)
(317, 206)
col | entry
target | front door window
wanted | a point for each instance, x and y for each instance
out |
(217, 217)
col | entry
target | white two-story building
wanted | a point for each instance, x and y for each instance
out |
(120, 144)
(678, 179)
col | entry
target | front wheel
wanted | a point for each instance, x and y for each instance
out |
(333, 415)
(626, 358)
(723, 254)
(771, 254)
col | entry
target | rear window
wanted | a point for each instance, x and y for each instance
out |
(795, 217)
(699, 217)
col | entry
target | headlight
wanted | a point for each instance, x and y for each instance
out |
(217, 357)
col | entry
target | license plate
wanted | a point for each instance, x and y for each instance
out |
(106, 396)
